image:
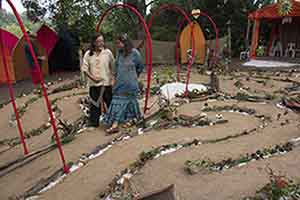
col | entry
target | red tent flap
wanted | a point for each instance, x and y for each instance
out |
(9, 40)
(47, 38)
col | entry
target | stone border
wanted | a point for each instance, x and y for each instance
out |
(148, 124)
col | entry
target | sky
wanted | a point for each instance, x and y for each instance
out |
(17, 4)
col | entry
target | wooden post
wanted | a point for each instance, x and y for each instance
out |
(229, 40)
(255, 38)
(248, 34)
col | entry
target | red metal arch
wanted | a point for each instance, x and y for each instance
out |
(186, 17)
(148, 44)
(178, 34)
(11, 93)
(65, 167)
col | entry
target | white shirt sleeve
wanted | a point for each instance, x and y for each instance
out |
(85, 62)
(111, 61)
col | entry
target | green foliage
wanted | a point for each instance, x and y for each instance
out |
(81, 17)
(15, 29)
(8, 22)
(166, 75)
(195, 166)
(6, 18)
(260, 51)
(77, 16)
(219, 10)
(164, 33)
(279, 187)
(35, 10)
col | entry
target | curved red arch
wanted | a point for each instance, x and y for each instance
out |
(148, 44)
(178, 34)
(183, 13)
(11, 94)
(65, 167)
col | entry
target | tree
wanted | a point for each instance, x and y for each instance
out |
(6, 18)
(81, 17)
(35, 10)
(221, 11)
(140, 5)
(77, 16)
(8, 22)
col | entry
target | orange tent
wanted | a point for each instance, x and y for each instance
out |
(20, 63)
(10, 41)
(186, 43)
(270, 12)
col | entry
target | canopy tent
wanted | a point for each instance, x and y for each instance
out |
(21, 66)
(47, 38)
(271, 13)
(62, 48)
(9, 40)
(65, 54)
(186, 43)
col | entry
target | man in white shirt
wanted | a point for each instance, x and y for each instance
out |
(97, 66)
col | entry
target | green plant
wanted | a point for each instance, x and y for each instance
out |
(167, 76)
(238, 84)
(198, 165)
(260, 51)
(279, 187)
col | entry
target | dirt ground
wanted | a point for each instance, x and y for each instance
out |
(93, 178)
(26, 86)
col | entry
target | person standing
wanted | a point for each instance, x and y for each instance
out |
(124, 108)
(97, 66)
(30, 60)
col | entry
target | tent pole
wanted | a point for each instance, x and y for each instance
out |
(48, 104)
(248, 34)
(255, 38)
(11, 93)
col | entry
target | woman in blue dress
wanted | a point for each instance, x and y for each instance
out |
(124, 107)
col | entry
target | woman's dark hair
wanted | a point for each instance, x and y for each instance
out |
(128, 45)
(92, 47)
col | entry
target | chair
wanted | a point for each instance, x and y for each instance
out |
(244, 55)
(290, 51)
(276, 49)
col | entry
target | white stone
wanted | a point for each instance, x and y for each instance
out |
(242, 164)
(171, 89)
(268, 63)
(153, 122)
(126, 138)
(52, 184)
(74, 167)
(32, 198)
(93, 156)
(140, 131)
